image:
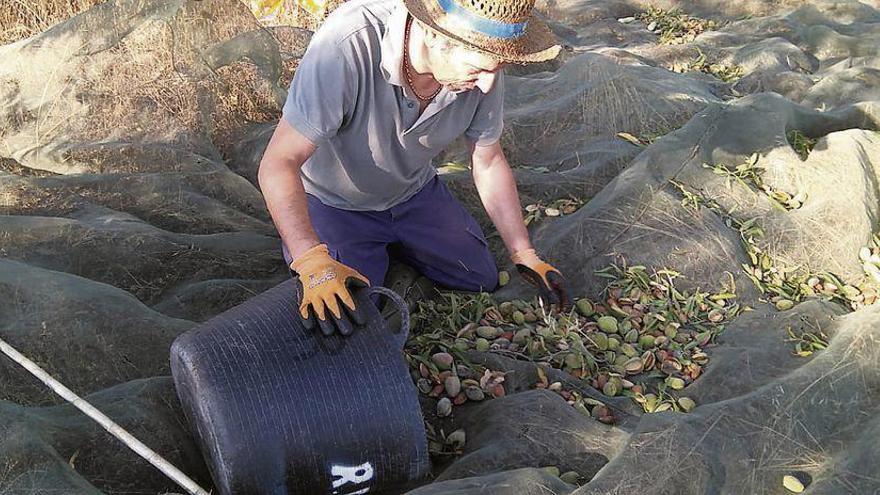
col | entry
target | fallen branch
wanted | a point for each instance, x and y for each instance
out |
(117, 431)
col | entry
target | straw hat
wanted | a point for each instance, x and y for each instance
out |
(504, 28)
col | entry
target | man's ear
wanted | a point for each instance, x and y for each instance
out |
(431, 38)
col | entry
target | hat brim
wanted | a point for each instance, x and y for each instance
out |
(537, 44)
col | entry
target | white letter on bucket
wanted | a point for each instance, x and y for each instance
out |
(351, 474)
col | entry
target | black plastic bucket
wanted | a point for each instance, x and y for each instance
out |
(278, 409)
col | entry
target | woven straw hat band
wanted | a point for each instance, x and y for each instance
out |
(507, 29)
(477, 20)
(511, 16)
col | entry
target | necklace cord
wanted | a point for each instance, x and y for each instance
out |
(407, 66)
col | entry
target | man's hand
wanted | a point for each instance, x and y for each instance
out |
(325, 283)
(549, 281)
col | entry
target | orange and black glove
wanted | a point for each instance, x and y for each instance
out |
(324, 283)
(549, 281)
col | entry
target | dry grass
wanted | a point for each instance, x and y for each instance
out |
(157, 69)
(152, 86)
(292, 14)
(23, 18)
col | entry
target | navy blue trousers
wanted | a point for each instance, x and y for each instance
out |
(433, 231)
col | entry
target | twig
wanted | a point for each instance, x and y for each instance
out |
(108, 424)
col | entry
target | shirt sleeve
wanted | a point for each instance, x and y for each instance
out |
(322, 92)
(487, 124)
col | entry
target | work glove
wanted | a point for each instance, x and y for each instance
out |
(324, 283)
(549, 281)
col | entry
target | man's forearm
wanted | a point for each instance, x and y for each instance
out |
(497, 189)
(285, 197)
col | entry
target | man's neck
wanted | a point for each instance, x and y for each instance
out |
(420, 69)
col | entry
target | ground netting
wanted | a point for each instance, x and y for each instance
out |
(742, 153)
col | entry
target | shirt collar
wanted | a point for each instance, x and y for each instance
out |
(392, 46)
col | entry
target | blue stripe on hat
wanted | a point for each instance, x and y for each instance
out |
(474, 22)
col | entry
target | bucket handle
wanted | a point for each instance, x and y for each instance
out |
(403, 332)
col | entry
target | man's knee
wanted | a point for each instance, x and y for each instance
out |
(488, 280)
(483, 278)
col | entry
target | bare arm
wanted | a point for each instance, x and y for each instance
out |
(497, 189)
(280, 181)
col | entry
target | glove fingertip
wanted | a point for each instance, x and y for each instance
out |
(554, 299)
(364, 311)
(358, 314)
(343, 322)
(344, 328)
(326, 327)
(306, 317)
(565, 298)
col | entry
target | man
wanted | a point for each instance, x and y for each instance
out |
(385, 86)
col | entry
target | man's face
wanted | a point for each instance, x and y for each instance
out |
(459, 68)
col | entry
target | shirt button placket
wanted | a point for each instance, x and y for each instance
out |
(413, 113)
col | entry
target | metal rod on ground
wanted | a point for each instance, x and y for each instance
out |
(117, 431)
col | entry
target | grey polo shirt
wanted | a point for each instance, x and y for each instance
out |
(350, 98)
